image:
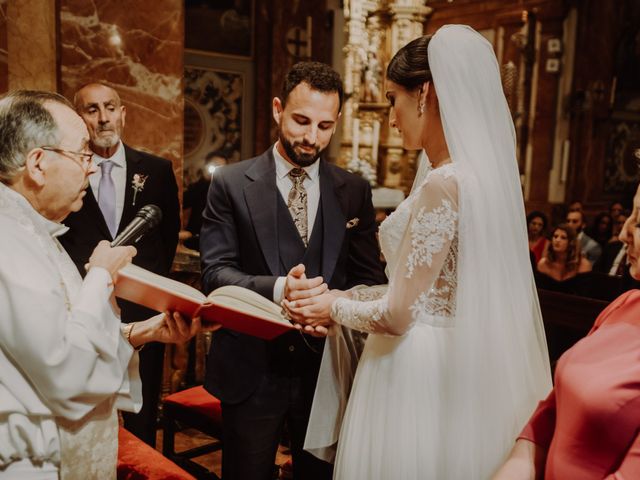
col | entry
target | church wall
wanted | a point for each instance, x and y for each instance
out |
(59, 45)
(31, 44)
(605, 105)
(139, 52)
(532, 90)
(586, 114)
(4, 61)
(277, 50)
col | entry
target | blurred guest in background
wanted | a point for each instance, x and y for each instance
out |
(195, 197)
(537, 229)
(575, 206)
(616, 209)
(618, 222)
(601, 228)
(559, 268)
(590, 248)
(613, 258)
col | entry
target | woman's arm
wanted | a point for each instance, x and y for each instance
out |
(525, 462)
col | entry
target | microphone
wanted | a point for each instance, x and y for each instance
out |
(147, 218)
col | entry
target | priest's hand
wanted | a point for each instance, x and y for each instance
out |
(110, 258)
(167, 328)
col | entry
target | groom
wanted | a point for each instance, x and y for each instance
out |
(263, 217)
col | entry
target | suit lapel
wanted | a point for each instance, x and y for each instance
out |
(92, 208)
(261, 196)
(334, 204)
(129, 209)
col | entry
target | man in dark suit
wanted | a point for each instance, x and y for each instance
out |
(263, 217)
(125, 181)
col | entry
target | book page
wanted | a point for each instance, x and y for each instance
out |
(245, 300)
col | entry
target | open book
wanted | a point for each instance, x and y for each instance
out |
(236, 308)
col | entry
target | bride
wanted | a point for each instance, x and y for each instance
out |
(456, 358)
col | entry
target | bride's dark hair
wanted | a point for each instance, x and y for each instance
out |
(409, 67)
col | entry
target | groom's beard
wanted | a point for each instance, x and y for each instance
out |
(299, 158)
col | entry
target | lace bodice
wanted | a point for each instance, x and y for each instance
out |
(419, 242)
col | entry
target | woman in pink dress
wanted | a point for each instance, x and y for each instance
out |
(589, 426)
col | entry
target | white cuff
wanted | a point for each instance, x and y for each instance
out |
(278, 290)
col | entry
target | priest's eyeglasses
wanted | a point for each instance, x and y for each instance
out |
(81, 158)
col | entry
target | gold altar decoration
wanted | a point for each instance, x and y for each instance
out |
(374, 31)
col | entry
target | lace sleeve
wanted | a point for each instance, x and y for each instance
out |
(365, 293)
(424, 250)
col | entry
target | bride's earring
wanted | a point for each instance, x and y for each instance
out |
(420, 109)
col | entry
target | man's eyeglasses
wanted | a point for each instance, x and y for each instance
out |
(84, 157)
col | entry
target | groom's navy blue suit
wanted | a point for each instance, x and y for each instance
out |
(249, 239)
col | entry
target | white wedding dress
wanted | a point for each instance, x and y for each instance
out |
(456, 359)
(397, 411)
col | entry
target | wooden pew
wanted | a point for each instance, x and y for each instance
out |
(567, 318)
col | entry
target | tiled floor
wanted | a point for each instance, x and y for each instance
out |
(191, 438)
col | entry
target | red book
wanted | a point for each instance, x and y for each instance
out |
(236, 308)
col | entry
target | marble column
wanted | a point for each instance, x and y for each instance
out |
(31, 44)
(139, 52)
(4, 60)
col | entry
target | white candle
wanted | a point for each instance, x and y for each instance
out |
(355, 138)
(376, 141)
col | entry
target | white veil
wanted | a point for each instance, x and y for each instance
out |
(499, 365)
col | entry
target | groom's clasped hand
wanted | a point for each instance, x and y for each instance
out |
(307, 302)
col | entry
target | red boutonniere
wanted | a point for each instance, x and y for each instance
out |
(138, 184)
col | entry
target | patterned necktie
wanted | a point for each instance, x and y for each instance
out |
(107, 196)
(297, 202)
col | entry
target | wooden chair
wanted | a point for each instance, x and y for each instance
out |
(192, 408)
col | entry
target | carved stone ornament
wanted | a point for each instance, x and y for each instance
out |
(374, 31)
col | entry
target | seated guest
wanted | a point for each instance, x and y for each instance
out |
(588, 428)
(537, 228)
(590, 248)
(601, 228)
(612, 260)
(560, 268)
(66, 363)
(575, 206)
(615, 209)
(618, 223)
(614, 252)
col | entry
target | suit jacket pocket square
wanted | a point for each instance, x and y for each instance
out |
(353, 222)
